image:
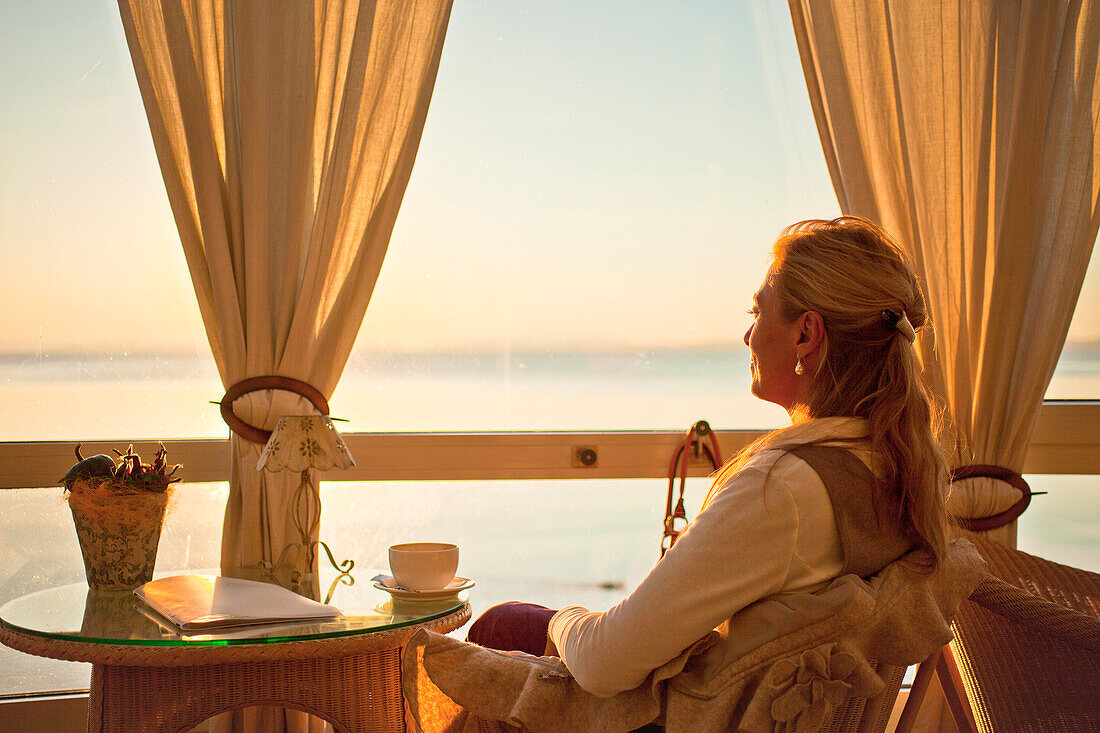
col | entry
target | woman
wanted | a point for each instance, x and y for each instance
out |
(832, 341)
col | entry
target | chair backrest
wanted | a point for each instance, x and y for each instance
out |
(1026, 653)
(1027, 644)
(861, 715)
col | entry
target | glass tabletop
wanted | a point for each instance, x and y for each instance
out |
(76, 613)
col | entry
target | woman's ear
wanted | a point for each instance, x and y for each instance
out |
(811, 332)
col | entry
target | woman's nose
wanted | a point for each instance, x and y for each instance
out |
(747, 334)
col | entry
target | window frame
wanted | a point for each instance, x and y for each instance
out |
(1065, 441)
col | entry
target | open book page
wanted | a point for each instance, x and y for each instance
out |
(194, 602)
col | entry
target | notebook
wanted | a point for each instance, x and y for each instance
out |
(203, 602)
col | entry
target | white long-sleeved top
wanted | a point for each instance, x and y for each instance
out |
(769, 528)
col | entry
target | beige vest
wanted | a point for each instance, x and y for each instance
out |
(867, 511)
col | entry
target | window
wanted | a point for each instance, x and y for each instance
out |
(552, 542)
(581, 237)
(590, 213)
(1077, 376)
(1062, 524)
(102, 337)
(591, 210)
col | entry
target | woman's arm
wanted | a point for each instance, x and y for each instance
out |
(738, 550)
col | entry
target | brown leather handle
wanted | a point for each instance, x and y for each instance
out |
(255, 384)
(693, 441)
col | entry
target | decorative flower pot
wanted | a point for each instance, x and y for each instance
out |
(118, 533)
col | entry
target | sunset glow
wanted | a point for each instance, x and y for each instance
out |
(583, 182)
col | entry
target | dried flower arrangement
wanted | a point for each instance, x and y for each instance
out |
(118, 509)
(128, 476)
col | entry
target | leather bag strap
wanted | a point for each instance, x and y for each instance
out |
(699, 441)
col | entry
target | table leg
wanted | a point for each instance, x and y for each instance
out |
(95, 700)
(357, 694)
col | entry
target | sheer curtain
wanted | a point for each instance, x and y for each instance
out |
(286, 134)
(969, 131)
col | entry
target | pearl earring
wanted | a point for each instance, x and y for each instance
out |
(798, 368)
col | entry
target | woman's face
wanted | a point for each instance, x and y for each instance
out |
(772, 343)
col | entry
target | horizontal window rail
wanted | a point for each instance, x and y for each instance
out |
(1066, 441)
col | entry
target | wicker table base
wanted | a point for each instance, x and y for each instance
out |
(354, 682)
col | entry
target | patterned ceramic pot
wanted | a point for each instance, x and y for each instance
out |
(118, 534)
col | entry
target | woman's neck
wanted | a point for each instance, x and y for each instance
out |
(799, 414)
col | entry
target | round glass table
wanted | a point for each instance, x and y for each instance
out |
(148, 675)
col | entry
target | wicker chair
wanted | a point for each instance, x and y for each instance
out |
(857, 715)
(1026, 654)
(428, 692)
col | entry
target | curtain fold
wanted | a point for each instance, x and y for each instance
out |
(968, 130)
(286, 134)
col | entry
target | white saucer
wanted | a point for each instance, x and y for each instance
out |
(388, 584)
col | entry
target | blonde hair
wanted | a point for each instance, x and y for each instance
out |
(850, 271)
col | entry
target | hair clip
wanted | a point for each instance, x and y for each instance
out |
(901, 322)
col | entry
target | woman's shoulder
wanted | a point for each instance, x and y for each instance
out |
(795, 446)
(788, 468)
(770, 460)
(772, 469)
(777, 466)
(791, 456)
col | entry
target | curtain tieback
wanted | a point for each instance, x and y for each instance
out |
(999, 473)
(255, 384)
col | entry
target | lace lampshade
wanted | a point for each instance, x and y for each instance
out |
(302, 442)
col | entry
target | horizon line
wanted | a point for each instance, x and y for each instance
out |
(1081, 344)
(485, 350)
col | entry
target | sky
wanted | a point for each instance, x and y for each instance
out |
(592, 175)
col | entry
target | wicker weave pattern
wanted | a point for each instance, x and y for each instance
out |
(1029, 660)
(1016, 604)
(847, 716)
(868, 715)
(356, 693)
(354, 682)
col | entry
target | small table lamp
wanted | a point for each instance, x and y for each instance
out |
(304, 443)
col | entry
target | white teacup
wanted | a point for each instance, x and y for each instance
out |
(424, 565)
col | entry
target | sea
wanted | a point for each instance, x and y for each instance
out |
(554, 542)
